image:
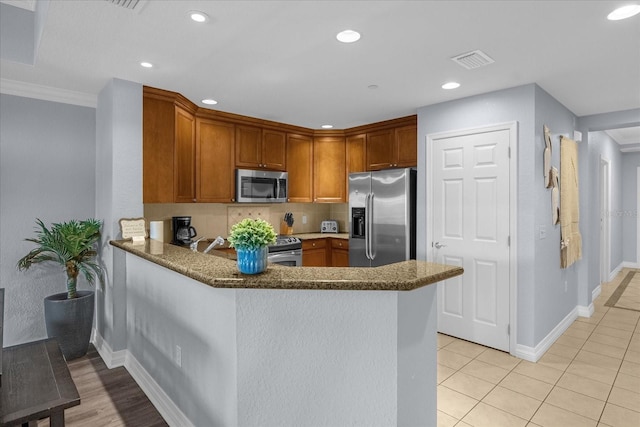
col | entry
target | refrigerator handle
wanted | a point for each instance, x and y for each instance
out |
(366, 226)
(372, 254)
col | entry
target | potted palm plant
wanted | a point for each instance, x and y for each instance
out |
(250, 238)
(68, 315)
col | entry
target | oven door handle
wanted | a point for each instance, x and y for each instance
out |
(295, 256)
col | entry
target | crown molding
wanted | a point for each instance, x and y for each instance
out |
(47, 93)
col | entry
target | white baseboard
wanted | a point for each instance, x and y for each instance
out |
(533, 354)
(630, 264)
(615, 272)
(585, 311)
(113, 359)
(162, 402)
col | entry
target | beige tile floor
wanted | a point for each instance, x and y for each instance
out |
(589, 377)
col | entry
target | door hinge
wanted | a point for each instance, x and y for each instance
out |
(508, 329)
(509, 152)
(509, 241)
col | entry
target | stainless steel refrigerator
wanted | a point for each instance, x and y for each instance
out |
(382, 217)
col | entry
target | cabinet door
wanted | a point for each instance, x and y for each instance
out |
(185, 152)
(274, 150)
(158, 130)
(314, 253)
(339, 253)
(380, 149)
(356, 158)
(214, 161)
(407, 146)
(248, 147)
(300, 168)
(329, 170)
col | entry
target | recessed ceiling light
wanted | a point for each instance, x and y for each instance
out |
(146, 64)
(451, 85)
(209, 101)
(198, 16)
(327, 126)
(624, 12)
(348, 36)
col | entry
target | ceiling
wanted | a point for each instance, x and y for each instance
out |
(280, 60)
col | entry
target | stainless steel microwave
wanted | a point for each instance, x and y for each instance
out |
(258, 186)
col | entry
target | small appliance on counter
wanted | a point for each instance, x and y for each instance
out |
(329, 226)
(183, 232)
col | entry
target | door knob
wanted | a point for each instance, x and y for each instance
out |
(438, 245)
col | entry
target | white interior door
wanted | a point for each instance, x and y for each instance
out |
(471, 223)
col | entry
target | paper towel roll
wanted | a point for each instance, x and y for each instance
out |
(156, 230)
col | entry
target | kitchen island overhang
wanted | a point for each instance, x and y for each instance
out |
(221, 272)
(292, 346)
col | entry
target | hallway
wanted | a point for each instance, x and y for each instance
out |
(589, 377)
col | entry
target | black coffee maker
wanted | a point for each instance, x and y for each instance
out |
(183, 232)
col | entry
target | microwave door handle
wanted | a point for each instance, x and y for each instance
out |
(277, 195)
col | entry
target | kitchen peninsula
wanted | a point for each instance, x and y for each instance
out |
(292, 346)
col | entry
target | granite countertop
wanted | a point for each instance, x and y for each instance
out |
(217, 270)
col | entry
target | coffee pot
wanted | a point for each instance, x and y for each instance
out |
(183, 232)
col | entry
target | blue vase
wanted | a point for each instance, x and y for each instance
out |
(252, 261)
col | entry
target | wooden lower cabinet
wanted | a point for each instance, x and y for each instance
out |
(314, 253)
(339, 252)
(325, 252)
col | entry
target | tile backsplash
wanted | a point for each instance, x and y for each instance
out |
(215, 219)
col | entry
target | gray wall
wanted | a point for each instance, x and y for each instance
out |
(542, 301)
(47, 171)
(589, 195)
(629, 214)
(119, 195)
(606, 148)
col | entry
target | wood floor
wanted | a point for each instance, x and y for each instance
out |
(108, 397)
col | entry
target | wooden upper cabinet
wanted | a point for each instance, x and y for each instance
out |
(407, 146)
(248, 147)
(356, 153)
(300, 168)
(392, 148)
(185, 153)
(215, 150)
(260, 149)
(329, 169)
(158, 132)
(380, 149)
(274, 149)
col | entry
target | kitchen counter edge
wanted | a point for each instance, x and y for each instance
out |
(220, 272)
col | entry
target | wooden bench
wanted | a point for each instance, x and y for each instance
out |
(36, 383)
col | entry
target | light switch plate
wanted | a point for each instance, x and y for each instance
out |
(542, 232)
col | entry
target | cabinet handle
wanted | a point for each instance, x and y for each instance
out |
(313, 244)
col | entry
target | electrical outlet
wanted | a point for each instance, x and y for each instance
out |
(178, 355)
(304, 219)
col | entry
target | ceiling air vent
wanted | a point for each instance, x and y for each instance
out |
(129, 4)
(471, 60)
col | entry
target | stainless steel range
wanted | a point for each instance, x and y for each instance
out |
(286, 251)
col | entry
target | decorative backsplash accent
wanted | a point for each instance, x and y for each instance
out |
(237, 213)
